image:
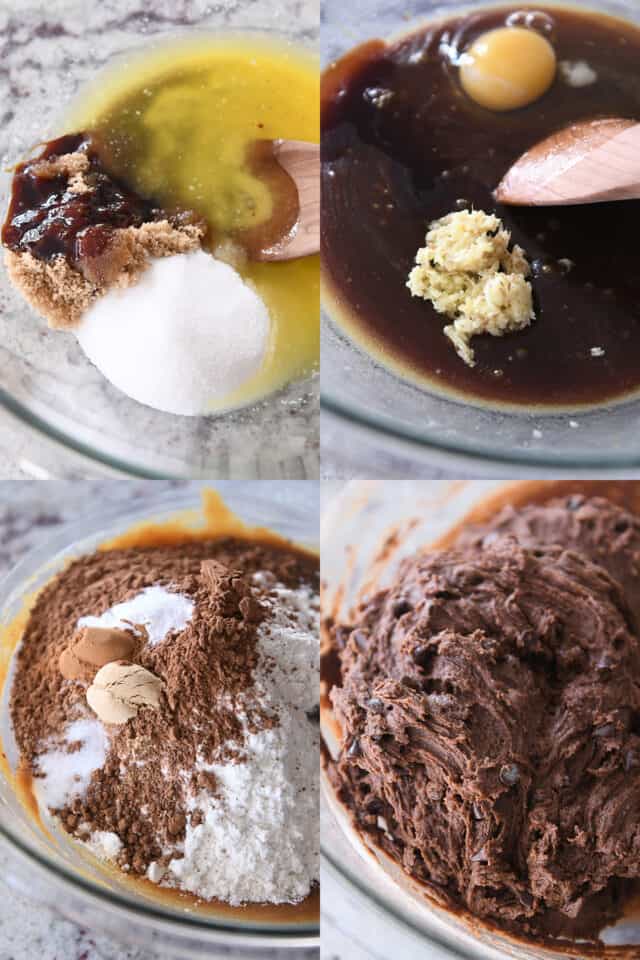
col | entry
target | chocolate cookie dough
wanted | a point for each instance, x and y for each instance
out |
(489, 702)
(594, 527)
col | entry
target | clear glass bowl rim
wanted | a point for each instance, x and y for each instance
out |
(69, 541)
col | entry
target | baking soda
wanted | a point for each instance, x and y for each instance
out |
(157, 609)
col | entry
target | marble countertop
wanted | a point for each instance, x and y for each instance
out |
(29, 512)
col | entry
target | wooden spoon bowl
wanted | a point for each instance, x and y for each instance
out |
(589, 162)
(291, 170)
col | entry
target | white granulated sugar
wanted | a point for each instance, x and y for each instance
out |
(155, 608)
(67, 775)
(259, 838)
(183, 338)
(577, 73)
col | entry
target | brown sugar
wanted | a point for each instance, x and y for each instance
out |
(62, 294)
(73, 231)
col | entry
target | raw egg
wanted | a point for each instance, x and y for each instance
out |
(508, 68)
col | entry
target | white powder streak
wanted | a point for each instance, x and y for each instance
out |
(67, 775)
(160, 611)
(578, 73)
(259, 839)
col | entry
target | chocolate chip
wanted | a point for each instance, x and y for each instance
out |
(400, 607)
(355, 750)
(376, 705)
(374, 806)
(420, 655)
(313, 715)
(510, 774)
(574, 502)
(477, 812)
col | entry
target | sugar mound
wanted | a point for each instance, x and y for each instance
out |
(186, 336)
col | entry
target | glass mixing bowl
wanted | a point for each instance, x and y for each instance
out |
(375, 415)
(49, 869)
(355, 525)
(50, 52)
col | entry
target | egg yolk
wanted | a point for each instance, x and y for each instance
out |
(508, 68)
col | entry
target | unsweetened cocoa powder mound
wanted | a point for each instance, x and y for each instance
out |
(141, 791)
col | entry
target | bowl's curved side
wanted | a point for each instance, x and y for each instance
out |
(49, 869)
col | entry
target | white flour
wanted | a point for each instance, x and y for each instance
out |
(157, 609)
(259, 839)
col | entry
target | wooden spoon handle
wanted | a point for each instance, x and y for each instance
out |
(301, 160)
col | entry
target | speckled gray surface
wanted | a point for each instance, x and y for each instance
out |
(48, 48)
(29, 512)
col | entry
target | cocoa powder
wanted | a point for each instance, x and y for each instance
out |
(141, 791)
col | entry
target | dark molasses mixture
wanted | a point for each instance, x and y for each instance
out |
(403, 145)
(47, 219)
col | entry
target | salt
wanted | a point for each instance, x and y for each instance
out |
(155, 608)
(577, 73)
(66, 775)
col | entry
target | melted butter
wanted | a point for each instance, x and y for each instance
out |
(177, 125)
(214, 521)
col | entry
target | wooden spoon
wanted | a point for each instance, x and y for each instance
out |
(589, 162)
(291, 169)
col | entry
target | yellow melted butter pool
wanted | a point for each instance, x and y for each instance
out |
(177, 119)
